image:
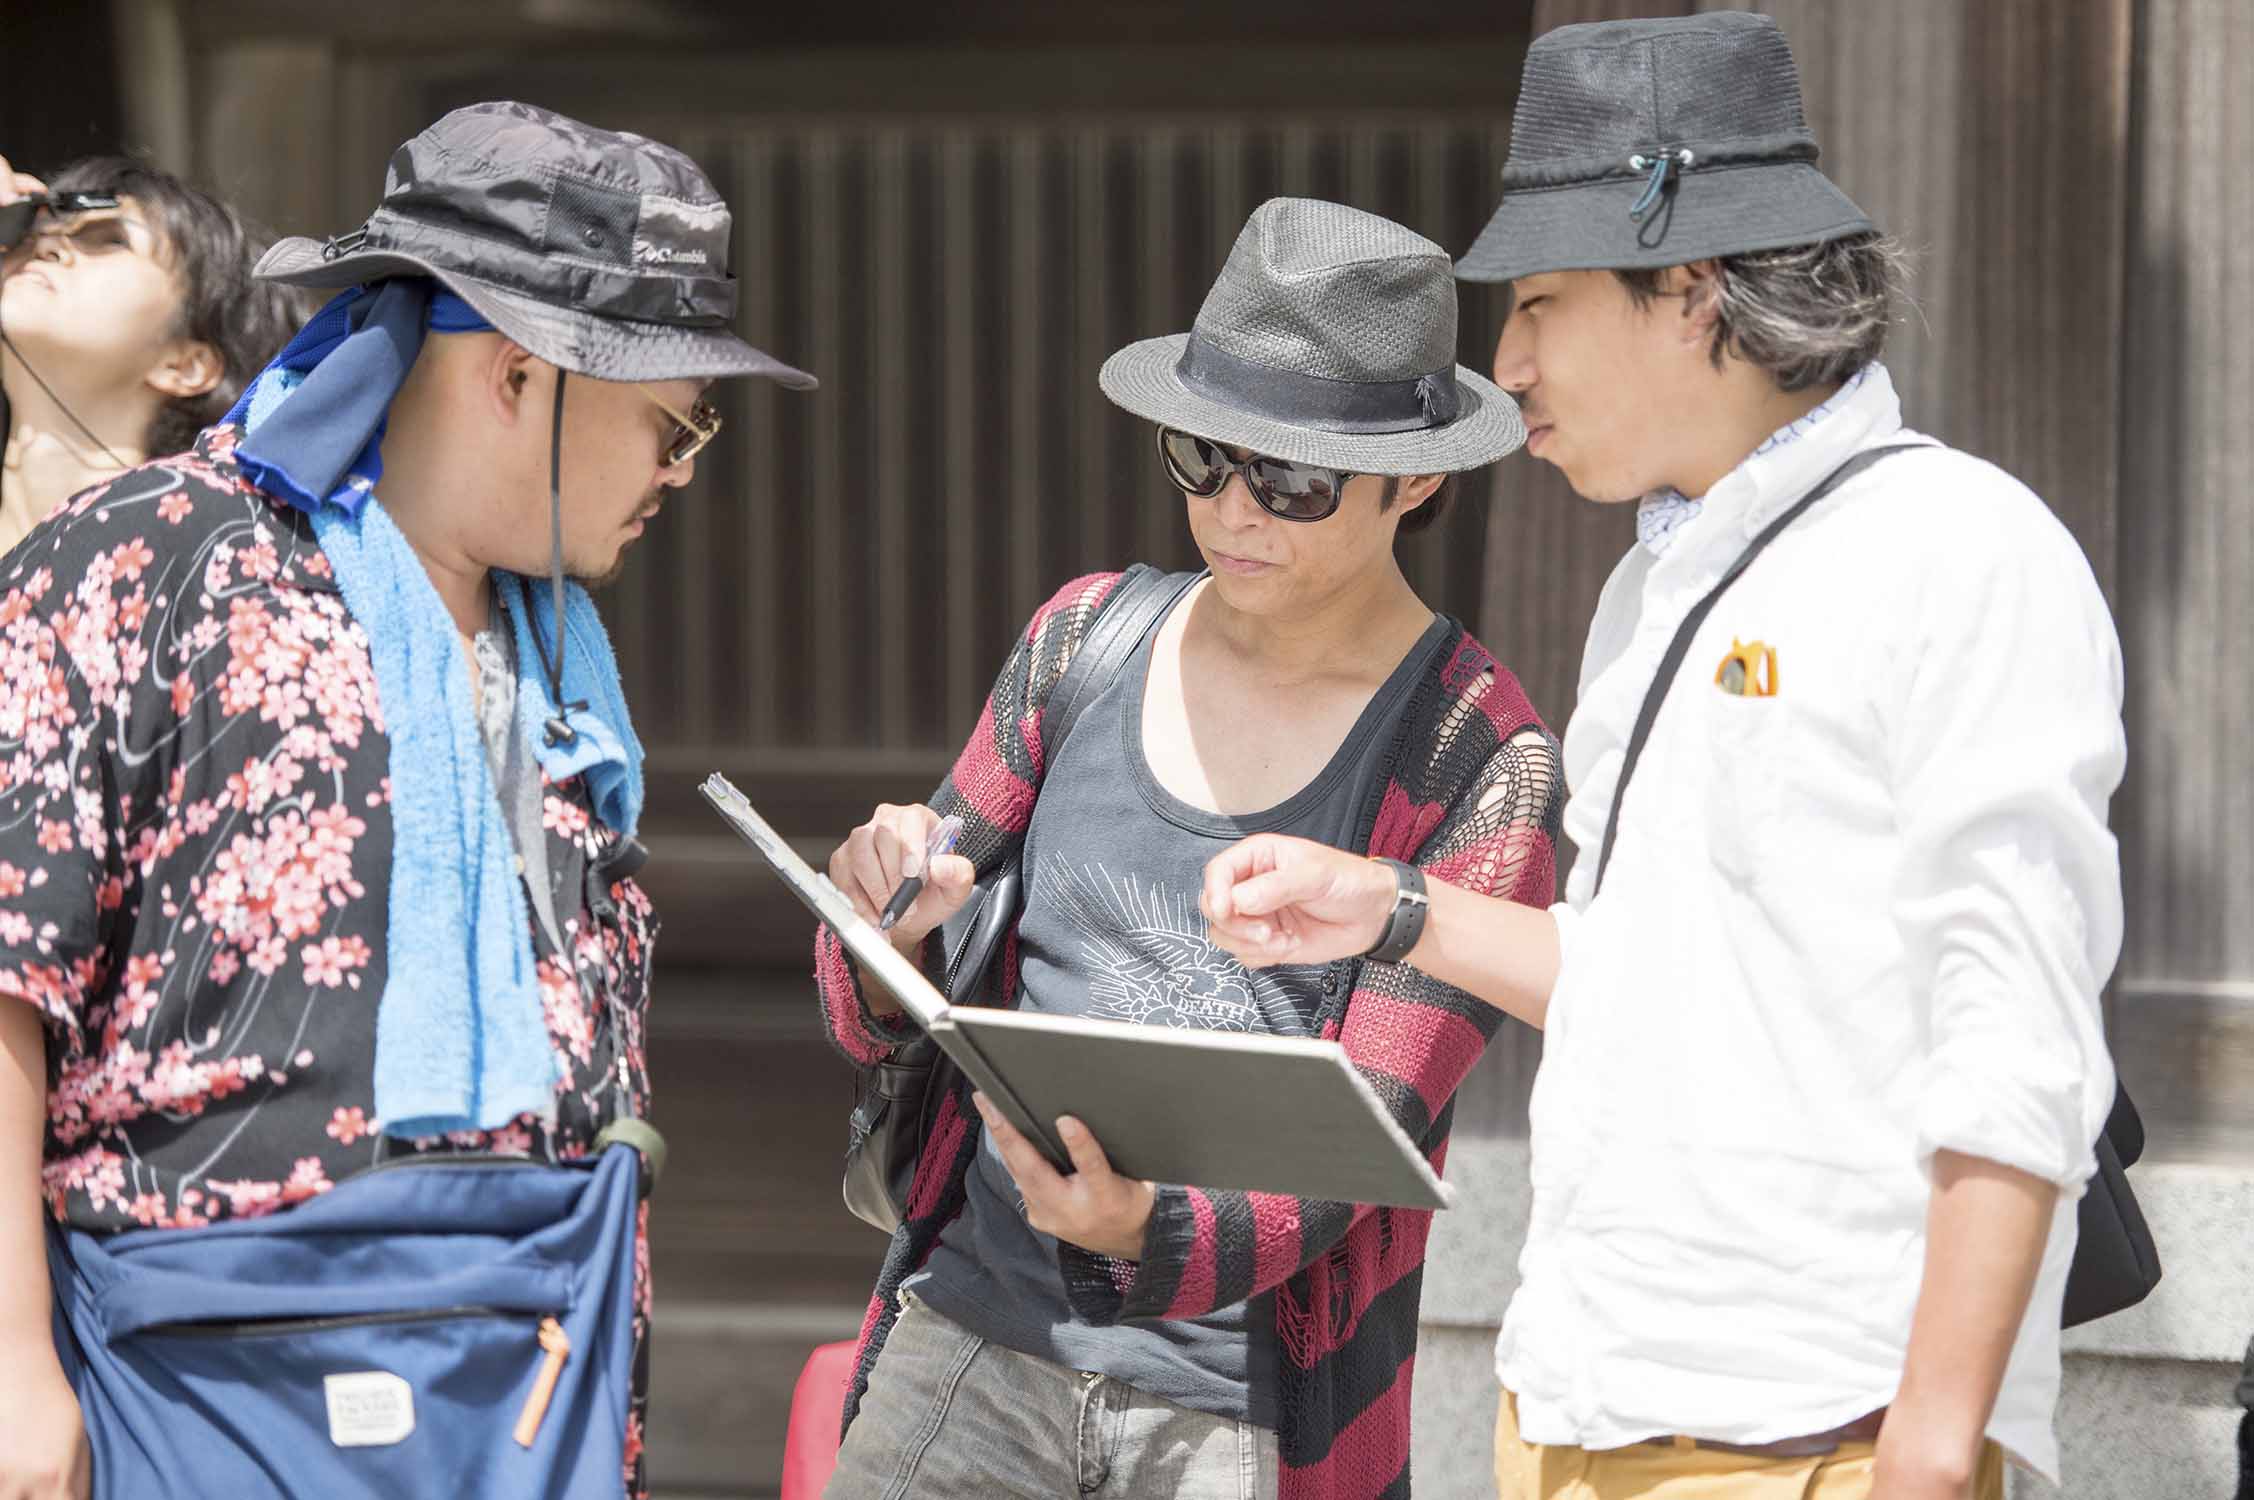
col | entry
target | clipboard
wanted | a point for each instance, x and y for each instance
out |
(1186, 1106)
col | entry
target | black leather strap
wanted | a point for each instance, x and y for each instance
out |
(1138, 602)
(1142, 597)
(1679, 647)
(1412, 901)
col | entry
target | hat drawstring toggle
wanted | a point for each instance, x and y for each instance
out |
(1658, 164)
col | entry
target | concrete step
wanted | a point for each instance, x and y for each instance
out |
(754, 1258)
(721, 1376)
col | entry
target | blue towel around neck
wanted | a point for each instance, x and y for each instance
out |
(604, 748)
(461, 1033)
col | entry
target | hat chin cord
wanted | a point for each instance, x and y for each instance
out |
(559, 730)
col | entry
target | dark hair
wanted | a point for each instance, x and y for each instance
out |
(1808, 314)
(1425, 516)
(210, 252)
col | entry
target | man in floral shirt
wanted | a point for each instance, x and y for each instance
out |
(197, 770)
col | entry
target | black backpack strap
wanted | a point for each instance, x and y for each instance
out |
(1142, 597)
(1679, 647)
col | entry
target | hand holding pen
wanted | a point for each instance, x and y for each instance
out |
(900, 865)
(940, 841)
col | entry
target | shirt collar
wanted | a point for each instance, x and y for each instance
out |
(1864, 403)
(287, 555)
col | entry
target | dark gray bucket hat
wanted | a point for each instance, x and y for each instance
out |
(1330, 338)
(1657, 143)
(602, 252)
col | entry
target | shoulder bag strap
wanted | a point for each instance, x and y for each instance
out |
(1142, 597)
(1679, 647)
(1137, 603)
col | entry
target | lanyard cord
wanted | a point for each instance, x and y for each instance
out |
(559, 728)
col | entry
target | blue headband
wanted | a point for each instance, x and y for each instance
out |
(341, 372)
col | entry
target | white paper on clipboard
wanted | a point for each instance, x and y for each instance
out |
(870, 947)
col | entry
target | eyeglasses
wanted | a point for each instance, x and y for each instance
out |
(16, 217)
(1285, 488)
(690, 433)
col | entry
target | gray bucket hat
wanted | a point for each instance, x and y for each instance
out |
(1657, 143)
(602, 252)
(1330, 338)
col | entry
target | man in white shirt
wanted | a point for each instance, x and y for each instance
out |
(1823, 1065)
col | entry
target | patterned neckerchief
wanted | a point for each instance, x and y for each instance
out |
(1662, 513)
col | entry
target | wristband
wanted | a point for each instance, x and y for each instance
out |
(1406, 923)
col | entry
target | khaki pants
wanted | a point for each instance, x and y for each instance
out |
(1678, 1471)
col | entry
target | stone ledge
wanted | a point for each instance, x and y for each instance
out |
(1471, 1266)
(2203, 1308)
(2142, 1429)
(2202, 1311)
(721, 1377)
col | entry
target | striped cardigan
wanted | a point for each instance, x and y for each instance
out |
(1471, 791)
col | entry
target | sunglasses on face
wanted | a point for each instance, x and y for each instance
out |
(16, 217)
(1286, 489)
(691, 432)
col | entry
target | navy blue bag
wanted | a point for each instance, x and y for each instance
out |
(384, 1339)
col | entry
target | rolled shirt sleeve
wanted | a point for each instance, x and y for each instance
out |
(2009, 746)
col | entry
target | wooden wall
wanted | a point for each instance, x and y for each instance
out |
(953, 240)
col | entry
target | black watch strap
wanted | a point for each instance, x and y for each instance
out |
(1410, 903)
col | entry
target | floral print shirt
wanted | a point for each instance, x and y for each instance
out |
(195, 852)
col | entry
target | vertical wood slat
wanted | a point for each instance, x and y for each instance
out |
(751, 436)
(1028, 325)
(1161, 296)
(2188, 510)
(970, 422)
(1097, 490)
(892, 653)
(834, 691)
(901, 520)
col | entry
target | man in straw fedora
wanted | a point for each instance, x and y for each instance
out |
(1035, 1333)
(1823, 1064)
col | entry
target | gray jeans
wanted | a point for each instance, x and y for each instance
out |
(950, 1415)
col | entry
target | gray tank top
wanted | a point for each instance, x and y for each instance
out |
(1113, 865)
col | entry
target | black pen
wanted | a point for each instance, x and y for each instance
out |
(942, 841)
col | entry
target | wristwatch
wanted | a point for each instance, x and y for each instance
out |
(1406, 924)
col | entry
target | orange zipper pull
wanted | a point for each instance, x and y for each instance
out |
(557, 1343)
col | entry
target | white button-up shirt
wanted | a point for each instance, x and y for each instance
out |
(1845, 926)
